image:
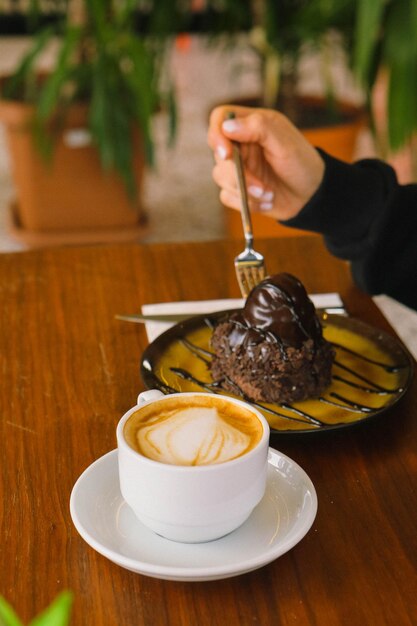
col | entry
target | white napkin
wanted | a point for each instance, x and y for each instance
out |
(153, 329)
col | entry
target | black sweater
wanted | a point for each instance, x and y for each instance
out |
(369, 219)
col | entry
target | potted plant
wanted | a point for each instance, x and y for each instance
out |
(282, 33)
(90, 117)
(385, 61)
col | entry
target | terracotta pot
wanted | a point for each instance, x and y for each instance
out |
(339, 140)
(72, 192)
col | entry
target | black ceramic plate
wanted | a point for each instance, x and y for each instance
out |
(372, 371)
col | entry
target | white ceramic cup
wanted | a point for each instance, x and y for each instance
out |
(186, 503)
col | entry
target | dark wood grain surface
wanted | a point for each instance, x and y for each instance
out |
(69, 370)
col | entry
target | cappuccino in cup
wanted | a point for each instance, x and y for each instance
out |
(192, 466)
(202, 430)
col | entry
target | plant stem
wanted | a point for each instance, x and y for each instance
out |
(271, 72)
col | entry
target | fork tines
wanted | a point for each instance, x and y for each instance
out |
(250, 270)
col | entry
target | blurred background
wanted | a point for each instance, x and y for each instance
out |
(104, 108)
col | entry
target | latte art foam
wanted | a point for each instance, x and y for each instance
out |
(196, 431)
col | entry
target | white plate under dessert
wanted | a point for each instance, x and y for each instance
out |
(277, 524)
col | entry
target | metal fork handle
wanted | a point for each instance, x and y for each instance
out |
(245, 212)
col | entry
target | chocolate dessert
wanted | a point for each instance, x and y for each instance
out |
(273, 350)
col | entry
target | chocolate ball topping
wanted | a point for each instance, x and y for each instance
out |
(280, 305)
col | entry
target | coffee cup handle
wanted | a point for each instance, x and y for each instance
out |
(148, 396)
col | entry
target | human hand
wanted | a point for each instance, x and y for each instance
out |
(283, 170)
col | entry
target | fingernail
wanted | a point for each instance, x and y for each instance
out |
(266, 206)
(268, 196)
(256, 192)
(230, 126)
(221, 152)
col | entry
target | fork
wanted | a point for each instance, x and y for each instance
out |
(249, 264)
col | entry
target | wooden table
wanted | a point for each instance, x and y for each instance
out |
(70, 370)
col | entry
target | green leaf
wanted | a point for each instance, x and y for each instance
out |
(51, 92)
(367, 33)
(51, 96)
(399, 33)
(172, 114)
(399, 57)
(15, 83)
(57, 613)
(140, 82)
(7, 615)
(111, 120)
(402, 103)
(99, 17)
(123, 16)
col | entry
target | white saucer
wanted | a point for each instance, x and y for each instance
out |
(108, 525)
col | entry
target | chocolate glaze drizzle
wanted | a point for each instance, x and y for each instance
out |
(375, 386)
(380, 391)
(392, 369)
(200, 353)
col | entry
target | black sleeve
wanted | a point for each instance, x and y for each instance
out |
(367, 218)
